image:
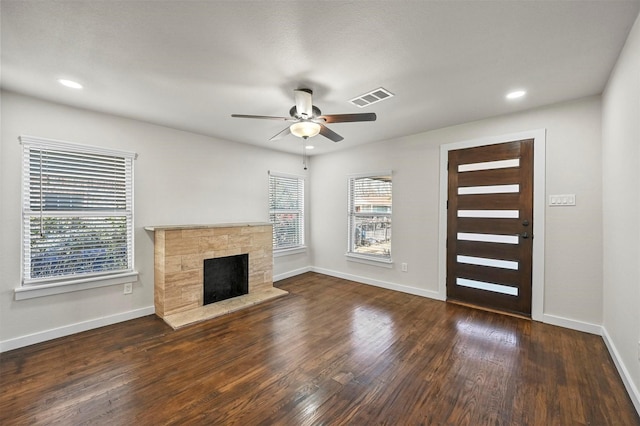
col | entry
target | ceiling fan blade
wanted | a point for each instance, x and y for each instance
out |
(304, 104)
(264, 117)
(329, 134)
(348, 118)
(282, 134)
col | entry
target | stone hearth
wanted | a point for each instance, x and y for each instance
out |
(180, 252)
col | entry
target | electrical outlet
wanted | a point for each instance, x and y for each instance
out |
(128, 288)
(404, 267)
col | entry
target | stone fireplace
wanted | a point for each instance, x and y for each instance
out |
(183, 253)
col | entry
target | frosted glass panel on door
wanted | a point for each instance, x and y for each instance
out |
(488, 238)
(489, 165)
(489, 189)
(490, 214)
(484, 261)
(481, 285)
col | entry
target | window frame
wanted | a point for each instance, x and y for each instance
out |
(351, 255)
(300, 247)
(44, 286)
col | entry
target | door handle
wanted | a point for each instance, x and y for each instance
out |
(525, 235)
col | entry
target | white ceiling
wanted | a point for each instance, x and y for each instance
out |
(191, 64)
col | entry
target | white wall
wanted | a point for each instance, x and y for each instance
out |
(180, 178)
(573, 254)
(186, 178)
(621, 212)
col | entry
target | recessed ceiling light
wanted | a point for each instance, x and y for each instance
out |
(516, 94)
(70, 83)
(309, 147)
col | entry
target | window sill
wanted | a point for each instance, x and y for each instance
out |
(289, 251)
(369, 260)
(32, 291)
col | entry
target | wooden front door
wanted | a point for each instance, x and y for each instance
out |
(490, 226)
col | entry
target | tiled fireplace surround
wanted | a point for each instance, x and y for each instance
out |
(180, 252)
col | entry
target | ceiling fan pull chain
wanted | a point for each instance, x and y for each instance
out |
(304, 152)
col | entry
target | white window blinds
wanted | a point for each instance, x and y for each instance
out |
(286, 210)
(370, 216)
(77, 211)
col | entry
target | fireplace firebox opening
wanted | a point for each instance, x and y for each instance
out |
(225, 277)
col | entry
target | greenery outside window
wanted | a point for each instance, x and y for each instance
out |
(370, 216)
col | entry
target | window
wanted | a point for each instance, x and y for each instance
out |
(370, 216)
(286, 210)
(77, 213)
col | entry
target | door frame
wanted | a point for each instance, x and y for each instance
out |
(539, 203)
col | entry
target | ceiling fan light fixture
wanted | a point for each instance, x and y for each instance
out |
(304, 129)
(308, 121)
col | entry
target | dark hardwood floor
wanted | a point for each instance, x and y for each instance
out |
(333, 352)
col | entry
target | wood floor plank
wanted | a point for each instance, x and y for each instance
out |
(331, 352)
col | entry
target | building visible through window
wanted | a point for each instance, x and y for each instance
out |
(370, 216)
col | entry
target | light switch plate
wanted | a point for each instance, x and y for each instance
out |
(562, 200)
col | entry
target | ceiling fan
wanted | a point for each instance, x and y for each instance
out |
(307, 119)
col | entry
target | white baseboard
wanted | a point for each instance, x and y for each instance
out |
(632, 390)
(292, 273)
(572, 324)
(548, 319)
(54, 333)
(384, 284)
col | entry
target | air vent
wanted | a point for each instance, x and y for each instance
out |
(371, 97)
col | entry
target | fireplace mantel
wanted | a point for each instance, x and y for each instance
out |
(205, 226)
(179, 254)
